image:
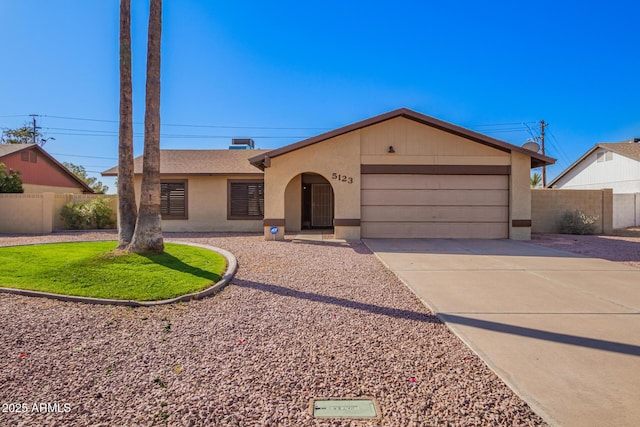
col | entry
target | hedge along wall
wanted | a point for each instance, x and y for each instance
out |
(63, 199)
(39, 213)
(549, 205)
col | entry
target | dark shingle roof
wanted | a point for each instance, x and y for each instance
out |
(200, 162)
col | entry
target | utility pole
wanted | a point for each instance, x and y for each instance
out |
(544, 167)
(35, 127)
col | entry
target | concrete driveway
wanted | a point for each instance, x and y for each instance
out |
(562, 330)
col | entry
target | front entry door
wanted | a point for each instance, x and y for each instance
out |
(321, 205)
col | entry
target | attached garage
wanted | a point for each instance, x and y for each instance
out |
(440, 206)
(404, 175)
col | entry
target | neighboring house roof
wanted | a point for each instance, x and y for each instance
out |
(630, 149)
(7, 149)
(537, 160)
(200, 162)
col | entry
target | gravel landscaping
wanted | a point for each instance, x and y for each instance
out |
(300, 320)
(623, 247)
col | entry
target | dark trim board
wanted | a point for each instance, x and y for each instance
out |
(521, 223)
(268, 222)
(436, 169)
(346, 222)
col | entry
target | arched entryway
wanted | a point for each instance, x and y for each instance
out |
(309, 203)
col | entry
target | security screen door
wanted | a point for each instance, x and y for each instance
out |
(321, 205)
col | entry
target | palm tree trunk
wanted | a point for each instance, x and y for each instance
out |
(127, 210)
(147, 237)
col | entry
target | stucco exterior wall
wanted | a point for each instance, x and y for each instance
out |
(339, 160)
(293, 204)
(417, 144)
(206, 205)
(520, 197)
(549, 205)
(333, 159)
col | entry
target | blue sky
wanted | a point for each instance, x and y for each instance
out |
(282, 71)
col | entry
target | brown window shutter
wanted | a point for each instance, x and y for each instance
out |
(246, 200)
(173, 200)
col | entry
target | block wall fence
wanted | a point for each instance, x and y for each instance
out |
(39, 213)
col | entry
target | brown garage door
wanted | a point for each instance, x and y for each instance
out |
(440, 206)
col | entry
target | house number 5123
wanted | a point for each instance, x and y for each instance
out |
(342, 178)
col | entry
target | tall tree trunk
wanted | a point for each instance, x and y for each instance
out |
(127, 210)
(147, 237)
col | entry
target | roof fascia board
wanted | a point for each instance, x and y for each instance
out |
(410, 115)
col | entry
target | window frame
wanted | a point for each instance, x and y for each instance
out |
(186, 199)
(230, 182)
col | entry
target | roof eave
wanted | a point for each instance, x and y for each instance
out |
(537, 160)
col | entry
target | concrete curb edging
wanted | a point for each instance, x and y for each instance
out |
(232, 268)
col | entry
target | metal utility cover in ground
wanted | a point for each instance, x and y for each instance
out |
(345, 408)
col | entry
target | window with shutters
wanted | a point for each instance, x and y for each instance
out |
(173, 199)
(245, 199)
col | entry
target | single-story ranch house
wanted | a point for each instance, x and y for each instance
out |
(399, 174)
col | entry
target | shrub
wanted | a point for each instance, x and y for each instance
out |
(10, 181)
(577, 222)
(84, 215)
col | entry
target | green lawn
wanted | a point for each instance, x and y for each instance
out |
(90, 269)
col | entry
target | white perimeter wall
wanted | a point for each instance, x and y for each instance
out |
(626, 210)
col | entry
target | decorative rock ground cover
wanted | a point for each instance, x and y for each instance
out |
(299, 321)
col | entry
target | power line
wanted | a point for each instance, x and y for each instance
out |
(170, 136)
(502, 124)
(566, 156)
(88, 157)
(191, 125)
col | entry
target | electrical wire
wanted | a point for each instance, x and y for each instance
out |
(189, 125)
(88, 157)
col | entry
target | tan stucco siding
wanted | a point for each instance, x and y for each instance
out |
(207, 205)
(32, 188)
(339, 156)
(520, 195)
(415, 143)
(293, 204)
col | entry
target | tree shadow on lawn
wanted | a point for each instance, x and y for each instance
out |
(169, 261)
(342, 302)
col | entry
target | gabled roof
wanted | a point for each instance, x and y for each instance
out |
(630, 149)
(199, 162)
(537, 160)
(7, 149)
(627, 149)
